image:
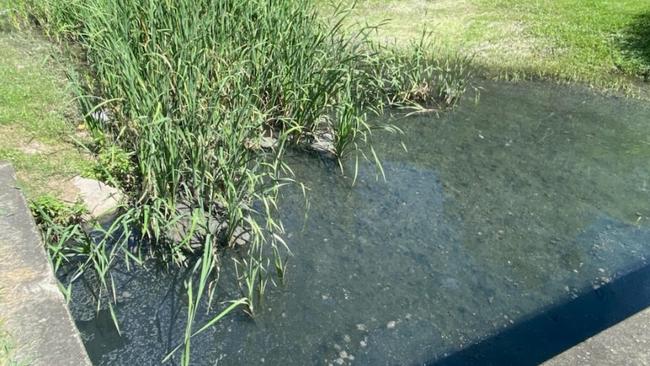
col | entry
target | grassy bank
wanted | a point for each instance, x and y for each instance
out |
(199, 100)
(37, 114)
(603, 43)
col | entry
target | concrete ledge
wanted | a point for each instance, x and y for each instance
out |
(32, 308)
(626, 343)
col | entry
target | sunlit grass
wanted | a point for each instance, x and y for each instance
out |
(589, 42)
(37, 114)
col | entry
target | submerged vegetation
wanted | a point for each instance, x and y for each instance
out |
(181, 99)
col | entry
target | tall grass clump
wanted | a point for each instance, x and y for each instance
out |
(187, 91)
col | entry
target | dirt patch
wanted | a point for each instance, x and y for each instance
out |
(33, 148)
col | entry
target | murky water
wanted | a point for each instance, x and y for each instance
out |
(532, 204)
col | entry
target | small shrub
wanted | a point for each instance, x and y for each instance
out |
(49, 209)
(115, 166)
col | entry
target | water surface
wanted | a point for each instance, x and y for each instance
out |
(526, 211)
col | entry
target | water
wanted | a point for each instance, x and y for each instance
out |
(510, 230)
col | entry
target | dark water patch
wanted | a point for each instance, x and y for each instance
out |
(497, 214)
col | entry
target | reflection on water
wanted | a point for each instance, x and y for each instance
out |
(496, 213)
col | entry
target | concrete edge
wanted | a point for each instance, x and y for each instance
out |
(32, 308)
(626, 343)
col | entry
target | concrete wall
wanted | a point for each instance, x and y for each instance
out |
(626, 343)
(32, 309)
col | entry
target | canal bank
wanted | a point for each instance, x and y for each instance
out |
(32, 308)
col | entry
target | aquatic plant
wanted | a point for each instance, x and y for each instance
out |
(182, 95)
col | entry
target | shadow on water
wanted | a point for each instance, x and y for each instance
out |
(554, 330)
(635, 43)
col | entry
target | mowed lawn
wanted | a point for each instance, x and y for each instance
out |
(605, 43)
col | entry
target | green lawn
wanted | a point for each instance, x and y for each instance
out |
(605, 43)
(37, 113)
